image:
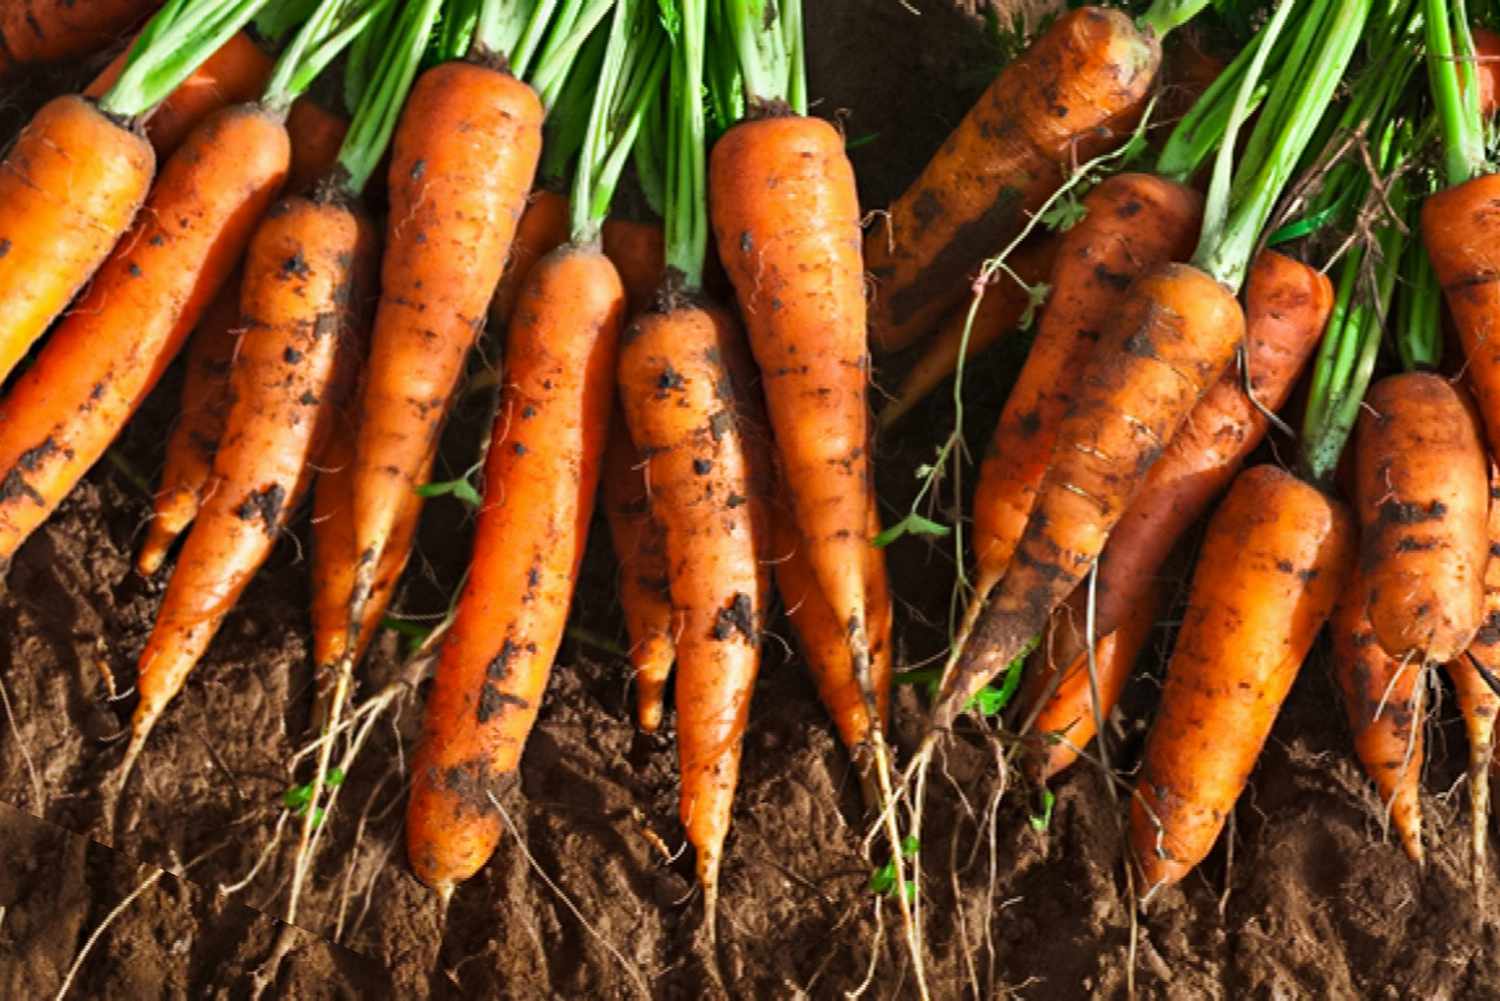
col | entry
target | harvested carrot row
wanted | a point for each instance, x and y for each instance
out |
(49, 31)
(1383, 697)
(541, 479)
(1004, 159)
(1275, 559)
(1000, 311)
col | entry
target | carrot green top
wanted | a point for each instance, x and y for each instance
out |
(766, 36)
(1455, 90)
(1167, 15)
(685, 184)
(173, 44)
(538, 40)
(332, 26)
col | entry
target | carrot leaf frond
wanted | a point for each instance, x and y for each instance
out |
(330, 30)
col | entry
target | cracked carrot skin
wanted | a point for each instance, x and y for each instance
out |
(107, 354)
(541, 479)
(1383, 698)
(33, 32)
(1276, 557)
(1001, 163)
(462, 162)
(1174, 335)
(686, 415)
(69, 187)
(1423, 489)
(785, 216)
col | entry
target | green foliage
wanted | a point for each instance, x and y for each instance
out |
(460, 489)
(883, 879)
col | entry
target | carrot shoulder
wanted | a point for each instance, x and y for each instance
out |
(541, 477)
(1275, 558)
(1000, 164)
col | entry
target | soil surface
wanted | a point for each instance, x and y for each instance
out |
(591, 894)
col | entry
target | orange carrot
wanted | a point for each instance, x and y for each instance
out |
(1275, 559)
(1287, 305)
(294, 304)
(104, 358)
(464, 155)
(1383, 697)
(639, 252)
(645, 591)
(786, 217)
(541, 477)
(235, 74)
(1000, 310)
(686, 418)
(69, 187)
(1423, 490)
(33, 32)
(1134, 223)
(1487, 67)
(1066, 721)
(316, 135)
(1001, 163)
(542, 229)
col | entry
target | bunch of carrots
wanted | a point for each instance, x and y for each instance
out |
(707, 380)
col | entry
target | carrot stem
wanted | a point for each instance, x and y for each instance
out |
(1420, 332)
(330, 29)
(686, 209)
(173, 43)
(568, 118)
(767, 35)
(1455, 91)
(1168, 15)
(510, 30)
(570, 27)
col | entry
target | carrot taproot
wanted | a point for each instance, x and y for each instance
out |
(785, 214)
(296, 292)
(645, 591)
(69, 187)
(1383, 698)
(235, 74)
(1000, 311)
(1275, 559)
(1066, 719)
(1423, 489)
(1000, 164)
(639, 252)
(315, 136)
(542, 229)
(1097, 262)
(684, 416)
(465, 151)
(541, 476)
(34, 32)
(103, 359)
(1287, 306)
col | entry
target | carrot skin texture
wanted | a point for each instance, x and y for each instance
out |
(1287, 305)
(1097, 262)
(317, 135)
(1276, 557)
(1000, 164)
(681, 404)
(639, 251)
(463, 158)
(1175, 334)
(785, 215)
(69, 187)
(297, 283)
(48, 31)
(105, 357)
(542, 229)
(1000, 310)
(541, 478)
(236, 73)
(1065, 723)
(1423, 487)
(1383, 698)
(640, 546)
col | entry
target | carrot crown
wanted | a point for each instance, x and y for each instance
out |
(538, 39)
(173, 44)
(634, 60)
(766, 37)
(380, 106)
(333, 25)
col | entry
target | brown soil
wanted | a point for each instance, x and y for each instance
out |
(1313, 902)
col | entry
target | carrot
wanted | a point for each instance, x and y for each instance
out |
(1066, 720)
(33, 32)
(542, 229)
(1287, 305)
(1423, 504)
(235, 73)
(1097, 261)
(102, 360)
(205, 387)
(1487, 66)
(1003, 305)
(1169, 342)
(645, 591)
(638, 250)
(1275, 559)
(1383, 697)
(1001, 163)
